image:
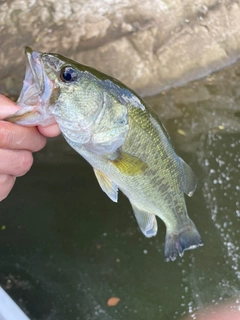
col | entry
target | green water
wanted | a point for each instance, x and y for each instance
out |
(67, 248)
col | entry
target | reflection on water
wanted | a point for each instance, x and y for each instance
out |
(67, 248)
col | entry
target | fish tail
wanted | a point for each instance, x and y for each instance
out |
(175, 244)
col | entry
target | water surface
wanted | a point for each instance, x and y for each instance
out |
(67, 248)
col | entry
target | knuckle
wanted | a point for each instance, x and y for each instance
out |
(5, 135)
(40, 143)
(6, 185)
(24, 163)
(4, 178)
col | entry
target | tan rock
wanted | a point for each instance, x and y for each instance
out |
(150, 45)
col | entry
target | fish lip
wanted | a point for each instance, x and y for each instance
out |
(36, 93)
(33, 84)
(33, 60)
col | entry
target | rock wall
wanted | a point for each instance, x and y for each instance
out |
(150, 45)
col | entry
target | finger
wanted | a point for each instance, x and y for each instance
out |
(17, 137)
(7, 107)
(6, 185)
(15, 162)
(50, 131)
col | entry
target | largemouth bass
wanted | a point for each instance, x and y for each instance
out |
(123, 140)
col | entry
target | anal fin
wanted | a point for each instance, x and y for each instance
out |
(147, 222)
(107, 186)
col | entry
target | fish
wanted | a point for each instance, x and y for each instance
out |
(124, 141)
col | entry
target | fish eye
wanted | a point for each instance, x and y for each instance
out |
(68, 74)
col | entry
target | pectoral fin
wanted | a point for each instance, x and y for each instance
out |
(128, 164)
(107, 186)
(147, 222)
(189, 179)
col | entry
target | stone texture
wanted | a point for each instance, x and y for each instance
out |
(150, 45)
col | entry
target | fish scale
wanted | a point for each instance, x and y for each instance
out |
(120, 136)
(157, 177)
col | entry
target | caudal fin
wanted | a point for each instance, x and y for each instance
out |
(175, 244)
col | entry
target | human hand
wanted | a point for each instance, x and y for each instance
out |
(223, 311)
(16, 146)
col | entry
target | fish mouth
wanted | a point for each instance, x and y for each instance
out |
(35, 94)
(33, 84)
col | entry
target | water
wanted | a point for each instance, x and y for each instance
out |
(66, 248)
